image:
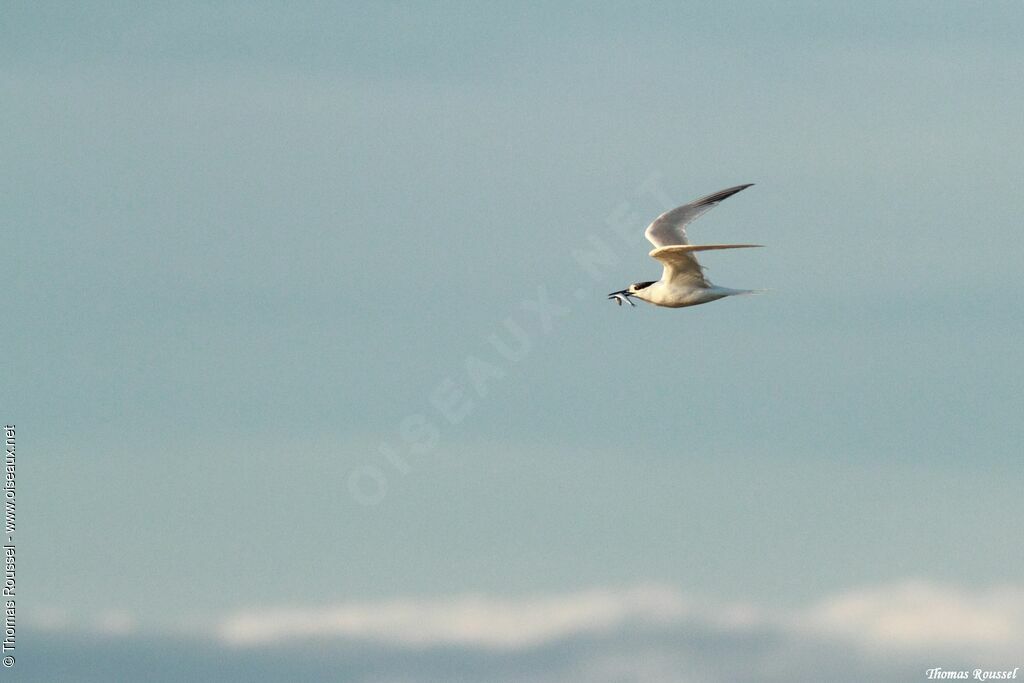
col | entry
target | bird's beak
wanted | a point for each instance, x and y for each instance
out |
(620, 296)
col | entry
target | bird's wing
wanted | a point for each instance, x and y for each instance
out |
(670, 227)
(681, 266)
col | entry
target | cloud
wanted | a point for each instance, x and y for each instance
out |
(913, 616)
(920, 615)
(115, 623)
(660, 634)
(465, 620)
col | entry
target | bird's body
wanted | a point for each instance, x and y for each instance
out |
(661, 294)
(682, 281)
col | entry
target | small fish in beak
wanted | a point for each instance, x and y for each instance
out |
(620, 297)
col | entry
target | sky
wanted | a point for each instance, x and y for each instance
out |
(314, 375)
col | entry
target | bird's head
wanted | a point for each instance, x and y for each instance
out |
(624, 294)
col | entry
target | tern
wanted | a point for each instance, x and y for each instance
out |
(682, 283)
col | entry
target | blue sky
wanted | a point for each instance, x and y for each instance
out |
(249, 246)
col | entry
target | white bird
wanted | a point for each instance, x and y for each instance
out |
(682, 283)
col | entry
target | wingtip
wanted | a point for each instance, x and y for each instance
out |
(721, 195)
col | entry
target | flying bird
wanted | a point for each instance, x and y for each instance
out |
(682, 282)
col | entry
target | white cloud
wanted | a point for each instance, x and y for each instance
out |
(466, 620)
(888, 632)
(115, 623)
(909, 617)
(48, 618)
(920, 615)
